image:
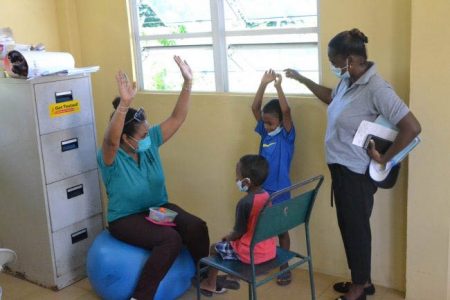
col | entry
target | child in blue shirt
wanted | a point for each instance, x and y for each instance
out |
(274, 124)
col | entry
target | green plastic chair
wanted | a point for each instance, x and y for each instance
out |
(272, 221)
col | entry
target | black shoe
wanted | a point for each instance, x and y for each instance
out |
(344, 287)
(362, 297)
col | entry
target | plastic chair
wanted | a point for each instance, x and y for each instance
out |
(272, 221)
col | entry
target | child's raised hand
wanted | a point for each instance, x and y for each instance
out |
(268, 77)
(278, 79)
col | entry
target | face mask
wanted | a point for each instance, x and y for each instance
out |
(143, 145)
(275, 132)
(338, 71)
(241, 186)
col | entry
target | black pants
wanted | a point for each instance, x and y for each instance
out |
(353, 194)
(165, 243)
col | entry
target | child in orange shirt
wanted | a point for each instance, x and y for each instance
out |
(251, 172)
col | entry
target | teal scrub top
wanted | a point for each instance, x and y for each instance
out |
(131, 187)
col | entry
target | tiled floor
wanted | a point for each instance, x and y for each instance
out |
(17, 289)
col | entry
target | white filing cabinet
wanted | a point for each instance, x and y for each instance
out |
(50, 203)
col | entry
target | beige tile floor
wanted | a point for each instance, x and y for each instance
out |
(17, 289)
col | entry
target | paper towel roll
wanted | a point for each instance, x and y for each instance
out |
(38, 63)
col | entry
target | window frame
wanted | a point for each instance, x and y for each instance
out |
(219, 36)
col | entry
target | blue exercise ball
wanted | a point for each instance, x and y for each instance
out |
(114, 267)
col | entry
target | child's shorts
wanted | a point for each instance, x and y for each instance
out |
(226, 251)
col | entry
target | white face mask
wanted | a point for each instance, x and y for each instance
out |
(338, 71)
(241, 186)
(275, 132)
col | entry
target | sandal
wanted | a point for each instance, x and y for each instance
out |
(284, 279)
(224, 282)
(208, 293)
(344, 287)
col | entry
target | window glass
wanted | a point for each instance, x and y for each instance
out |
(247, 63)
(256, 35)
(173, 16)
(263, 14)
(160, 73)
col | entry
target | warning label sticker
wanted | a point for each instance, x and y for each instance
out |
(63, 109)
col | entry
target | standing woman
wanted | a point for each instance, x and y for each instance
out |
(133, 175)
(361, 94)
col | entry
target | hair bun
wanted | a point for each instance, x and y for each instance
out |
(356, 33)
(116, 102)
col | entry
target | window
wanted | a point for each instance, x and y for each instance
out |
(227, 43)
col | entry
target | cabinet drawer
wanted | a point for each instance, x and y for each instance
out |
(72, 243)
(57, 94)
(69, 152)
(74, 199)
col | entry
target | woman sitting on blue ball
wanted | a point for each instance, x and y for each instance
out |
(133, 175)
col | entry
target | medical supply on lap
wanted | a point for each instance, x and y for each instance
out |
(161, 216)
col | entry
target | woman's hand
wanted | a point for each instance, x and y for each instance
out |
(185, 69)
(179, 113)
(127, 90)
(293, 74)
(278, 79)
(268, 77)
(374, 154)
(320, 91)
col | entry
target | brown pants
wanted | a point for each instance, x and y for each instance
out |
(165, 243)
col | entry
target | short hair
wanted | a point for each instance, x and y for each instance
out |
(254, 167)
(349, 42)
(130, 125)
(273, 107)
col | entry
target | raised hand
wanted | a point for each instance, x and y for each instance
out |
(268, 77)
(185, 69)
(127, 90)
(278, 79)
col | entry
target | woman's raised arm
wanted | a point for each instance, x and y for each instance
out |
(111, 140)
(179, 113)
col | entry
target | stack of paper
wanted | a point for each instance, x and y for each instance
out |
(73, 71)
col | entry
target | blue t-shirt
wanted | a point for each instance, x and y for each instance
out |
(278, 150)
(131, 187)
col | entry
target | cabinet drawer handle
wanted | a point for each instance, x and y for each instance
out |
(75, 191)
(69, 144)
(63, 96)
(79, 235)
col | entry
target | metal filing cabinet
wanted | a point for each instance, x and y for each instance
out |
(50, 203)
